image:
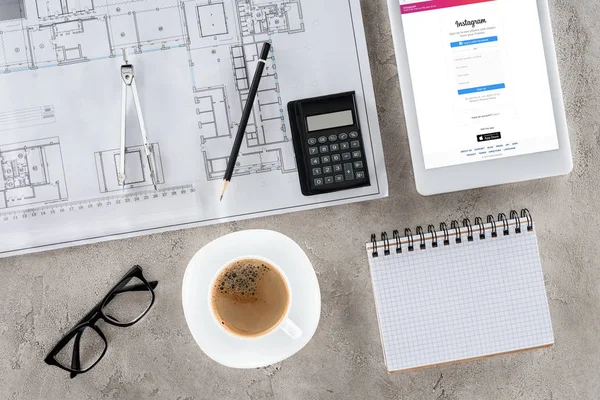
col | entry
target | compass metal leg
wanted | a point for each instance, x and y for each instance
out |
(147, 150)
(122, 176)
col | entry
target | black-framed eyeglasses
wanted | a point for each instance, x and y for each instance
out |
(85, 345)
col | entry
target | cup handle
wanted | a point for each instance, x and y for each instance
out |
(291, 329)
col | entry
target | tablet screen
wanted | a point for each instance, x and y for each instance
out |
(479, 78)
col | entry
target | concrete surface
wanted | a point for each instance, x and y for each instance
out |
(44, 294)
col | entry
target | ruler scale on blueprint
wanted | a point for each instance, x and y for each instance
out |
(60, 112)
(110, 215)
(85, 206)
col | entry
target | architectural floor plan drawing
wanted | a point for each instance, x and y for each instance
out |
(194, 60)
(267, 137)
(267, 146)
(137, 171)
(32, 172)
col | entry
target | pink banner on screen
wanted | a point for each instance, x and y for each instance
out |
(436, 4)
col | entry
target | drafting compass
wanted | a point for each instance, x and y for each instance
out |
(128, 81)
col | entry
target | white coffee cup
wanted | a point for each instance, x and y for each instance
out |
(286, 324)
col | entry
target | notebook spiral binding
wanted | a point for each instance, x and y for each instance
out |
(456, 230)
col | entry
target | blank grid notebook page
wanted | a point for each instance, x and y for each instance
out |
(462, 301)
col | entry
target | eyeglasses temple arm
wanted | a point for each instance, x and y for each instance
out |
(75, 361)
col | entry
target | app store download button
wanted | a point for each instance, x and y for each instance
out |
(486, 137)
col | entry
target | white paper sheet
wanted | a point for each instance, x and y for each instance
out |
(60, 112)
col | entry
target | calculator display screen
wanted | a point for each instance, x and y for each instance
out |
(331, 120)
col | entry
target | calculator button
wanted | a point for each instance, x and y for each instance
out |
(313, 151)
(312, 141)
(355, 144)
(324, 149)
(339, 178)
(346, 156)
(358, 164)
(344, 146)
(337, 168)
(315, 161)
(348, 172)
(325, 159)
(336, 158)
(360, 174)
(323, 139)
(353, 135)
(328, 180)
(333, 138)
(343, 136)
(316, 171)
(327, 170)
(356, 154)
(318, 181)
(334, 147)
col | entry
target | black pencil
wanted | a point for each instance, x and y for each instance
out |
(245, 116)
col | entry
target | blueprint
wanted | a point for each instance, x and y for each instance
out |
(60, 110)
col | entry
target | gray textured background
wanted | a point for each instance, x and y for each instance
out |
(44, 294)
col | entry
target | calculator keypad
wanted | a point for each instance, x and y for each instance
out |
(336, 160)
(330, 157)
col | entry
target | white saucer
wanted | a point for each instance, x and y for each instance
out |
(251, 353)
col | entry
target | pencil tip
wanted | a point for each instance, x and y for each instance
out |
(225, 183)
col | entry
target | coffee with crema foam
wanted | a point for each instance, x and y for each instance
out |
(250, 297)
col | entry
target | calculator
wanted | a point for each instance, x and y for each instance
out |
(328, 143)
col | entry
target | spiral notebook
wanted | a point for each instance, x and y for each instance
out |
(459, 293)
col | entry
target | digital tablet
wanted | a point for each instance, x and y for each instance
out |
(481, 92)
